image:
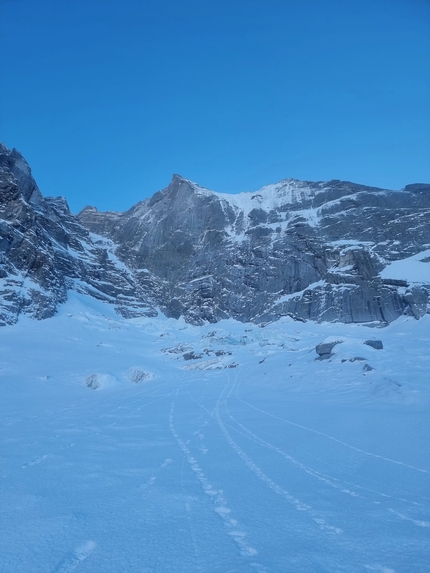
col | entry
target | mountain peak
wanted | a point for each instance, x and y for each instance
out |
(177, 177)
(310, 250)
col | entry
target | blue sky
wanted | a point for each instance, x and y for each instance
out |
(106, 99)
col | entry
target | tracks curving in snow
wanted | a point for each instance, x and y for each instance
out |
(276, 488)
(220, 505)
(361, 451)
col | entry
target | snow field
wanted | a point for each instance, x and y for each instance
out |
(279, 464)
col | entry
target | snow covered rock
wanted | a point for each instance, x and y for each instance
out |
(306, 250)
(323, 251)
(99, 381)
(191, 356)
(137, 375)
(324, 349)
(367, 368)
(45, 251)
(92, 382)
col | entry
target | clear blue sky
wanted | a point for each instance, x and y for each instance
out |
(107, 99)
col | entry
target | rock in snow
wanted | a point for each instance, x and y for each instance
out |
(300, 249)
(377, 344)
(324, 349)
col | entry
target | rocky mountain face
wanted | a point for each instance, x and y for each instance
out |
(309, 250)
(45, 251)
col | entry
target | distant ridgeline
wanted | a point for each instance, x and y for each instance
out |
(324, 251)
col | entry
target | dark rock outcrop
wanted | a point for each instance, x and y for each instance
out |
(324, 349)
(376, 344)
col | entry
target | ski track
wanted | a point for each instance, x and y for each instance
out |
(333, 467)
(220, 505)
(340, 485)
(331, 481)
(270, 483)
(418, 522)
(299, 505)
(364, 452)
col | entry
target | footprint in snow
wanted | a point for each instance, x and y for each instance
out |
(148, 483)
(73, 558)
(66, 447)
(35, 461)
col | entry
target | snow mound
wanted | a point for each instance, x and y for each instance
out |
(100, 381)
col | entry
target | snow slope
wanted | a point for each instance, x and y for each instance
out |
(415, 269)
(287, 192)
(269, 197)
(154, 446)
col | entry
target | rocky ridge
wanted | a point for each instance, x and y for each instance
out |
(45, 251)
(313, 251)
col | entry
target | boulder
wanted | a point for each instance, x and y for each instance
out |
(324, 349)
(377, 344)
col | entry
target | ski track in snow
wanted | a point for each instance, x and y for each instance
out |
(299, 505)
(341, 485)
(337, 482)
(364, 452)
(273, 486)
(220, 505)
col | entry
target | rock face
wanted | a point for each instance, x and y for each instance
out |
(45, 251)
(309, 250)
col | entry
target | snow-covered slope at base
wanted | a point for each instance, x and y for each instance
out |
(213, 449)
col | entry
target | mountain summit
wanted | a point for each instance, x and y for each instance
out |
(323, 251)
